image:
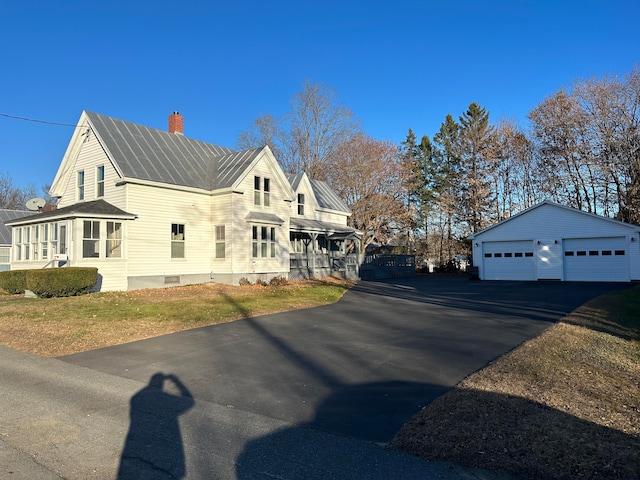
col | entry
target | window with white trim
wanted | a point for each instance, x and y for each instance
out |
(256, 190)
(27, 242)
(177, 240)
(35, 241)
(80, 185)
(301, 204)
(266, 187)
(220, 241)
(100, 181)
(44, 244)
(261, 191)
(263, 241)
(272, 239)
(91, 239)
(114, 240)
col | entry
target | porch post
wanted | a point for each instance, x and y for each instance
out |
(314, 237)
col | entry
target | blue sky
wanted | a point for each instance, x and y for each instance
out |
(396, 65)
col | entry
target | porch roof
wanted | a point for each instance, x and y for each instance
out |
(263, 217)
(318, 226)
(94, 209)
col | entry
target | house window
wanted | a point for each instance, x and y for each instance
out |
(301, 204)
(263, 241)
(80, 185)
(91, 239)
(114, 240)
(44, 246)
(35, 239)
(254, 241)
(220, 241)
(27, 241)
(63, 239)
(4, 254)
(54, 238)
(272, 237)
(177, 240)
(100, 181)
(261, 191)
(256, 190)
(266, 186)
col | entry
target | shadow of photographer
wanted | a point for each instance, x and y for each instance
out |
(153, 447)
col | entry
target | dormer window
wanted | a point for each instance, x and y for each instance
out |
(301, 204)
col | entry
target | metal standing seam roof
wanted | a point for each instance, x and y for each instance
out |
(294, 180)
(327, 198)
(307, 224)
(146, 153)
(7, 216)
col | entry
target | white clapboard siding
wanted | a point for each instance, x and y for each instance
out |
(242, 239)
(149, 236)
(90, 156)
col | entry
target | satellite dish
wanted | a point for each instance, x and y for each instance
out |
(35, 204)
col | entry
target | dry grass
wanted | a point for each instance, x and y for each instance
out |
(563, 405)
(61, 326)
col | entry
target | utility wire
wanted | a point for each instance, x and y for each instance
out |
(37, 121)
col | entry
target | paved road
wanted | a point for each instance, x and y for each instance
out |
(299, 395)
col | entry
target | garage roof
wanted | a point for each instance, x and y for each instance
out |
(634, 228)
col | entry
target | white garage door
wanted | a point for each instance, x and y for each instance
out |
(596, 259)
(508, 260)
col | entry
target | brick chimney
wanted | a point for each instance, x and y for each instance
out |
(176, 124)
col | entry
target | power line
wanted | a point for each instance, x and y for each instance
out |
(37, 121)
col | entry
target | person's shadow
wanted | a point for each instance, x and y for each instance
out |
(153, 448)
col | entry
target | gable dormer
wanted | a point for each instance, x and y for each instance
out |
(304, 201)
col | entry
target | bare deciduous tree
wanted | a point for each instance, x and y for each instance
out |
(306, 137)
(366, 173)
(12, 197)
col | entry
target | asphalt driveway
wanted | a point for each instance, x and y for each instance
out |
(313, 394)
(359, 368)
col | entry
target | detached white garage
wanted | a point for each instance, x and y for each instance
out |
(553, 242)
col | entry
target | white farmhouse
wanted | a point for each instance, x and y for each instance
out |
(151, 208)
(554, 242)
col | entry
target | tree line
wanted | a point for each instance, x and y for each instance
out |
(581, 148)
